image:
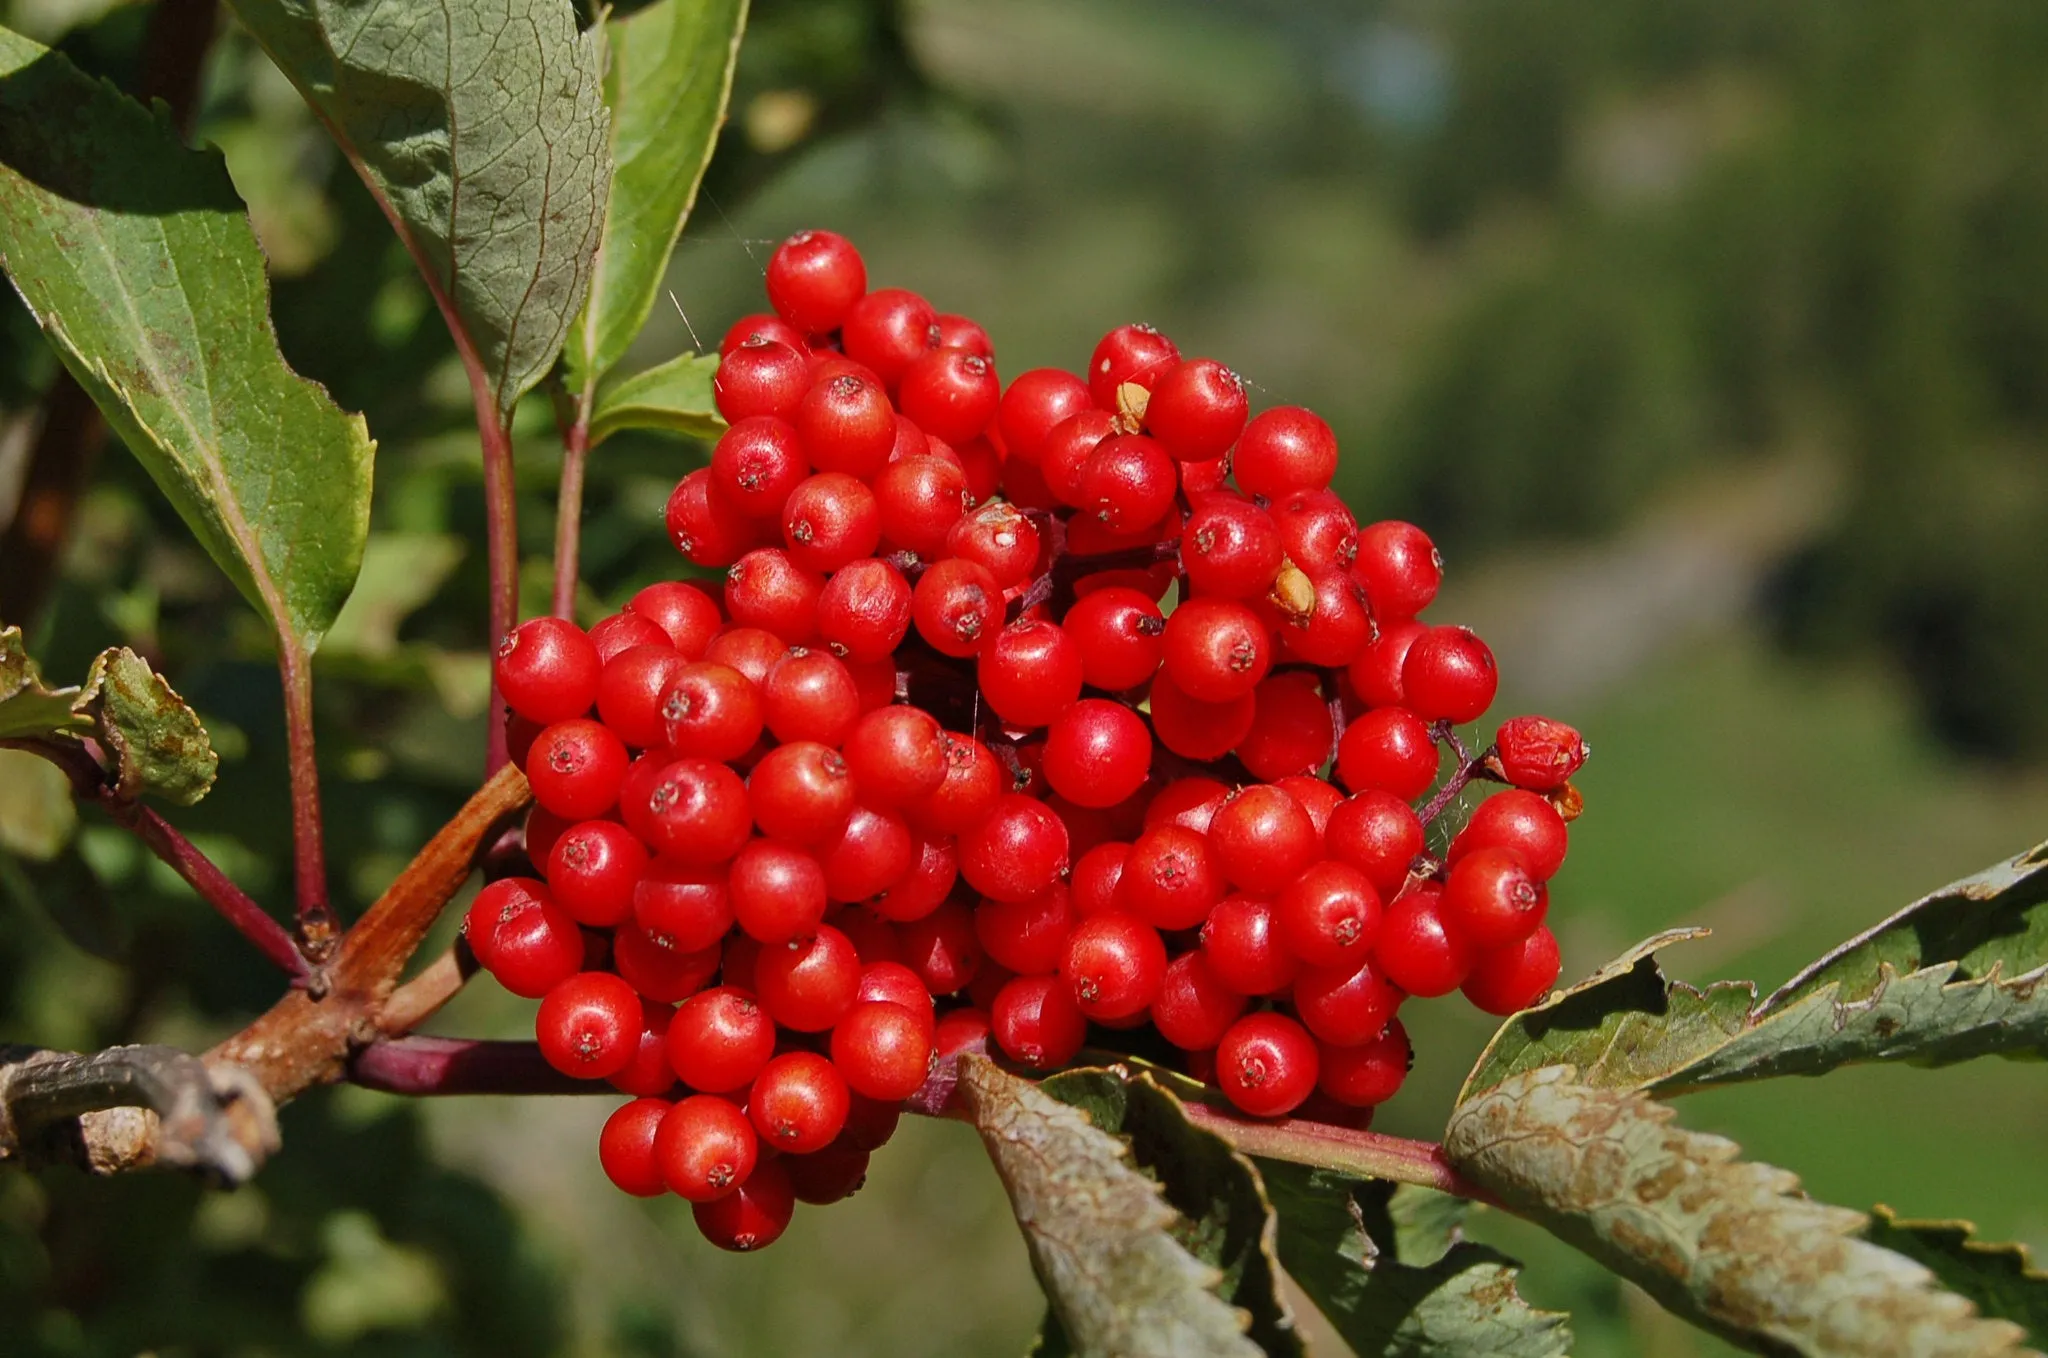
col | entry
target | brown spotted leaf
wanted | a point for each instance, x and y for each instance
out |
(1727, 1244)
(28, 706)
(1385, 1265)
(2000, 1279)
(1955, 975)
(1105, 1243)
(152, 736)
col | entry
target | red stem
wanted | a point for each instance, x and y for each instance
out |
(501, 515)
(569, 508)
(454, 1065)
(1365, 1154)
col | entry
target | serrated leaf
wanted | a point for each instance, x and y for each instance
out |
(1225, 1219)
(1727, 1244)
(2000, 1279)
(28, 706)
(674, 396)
(1101, 1235)
(667, 82)
(1955, 975)
(481, 129)
(154, 736)
(137, 259)
(1386, 1267)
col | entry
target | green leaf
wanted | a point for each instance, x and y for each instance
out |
(37, 815)
(1727, 1244)
(401, 571)
(480, 128)
(667, 84)
(1102, 1239)
(136, 257)
(28, 706)
(158, 745)
(675, 396)
(1385, 1265)
(2000, 1279)
(1225, 1219)
(1955, 975)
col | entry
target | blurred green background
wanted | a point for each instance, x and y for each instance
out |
(1707, 336)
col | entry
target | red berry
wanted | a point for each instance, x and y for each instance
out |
(750, 650)
(706, 1148)
(1492, 900)
(1538, 753)
(1064, 455)
(1376, 671)
(1515, 977)
(1417, 949)
(589, 1025)
(1192, 802)
(1035, 1021)
(1217, 650)
(752, 1217)
(1027, 937)
(658, 970)
(1195, 729)
(1449, 675)
(548, 670)
(1096, 877)
(808, 985)
(1347, 1005)
(998, 538)
(831, 1175)
(719, 1040)
(1030, 673)
(648, 1072)
(894, 983)
(1363, 1076)
(1018, 850)
(1035, 402)
(1377, 833)
(703, 526)
(951, 393)
(525, 940)
(1170, 878)
(1284, 450)
(1336, 628)
(920, 499)
(1262, 838)
(1097, 753)
(778, 891)
(1242, 941)
(757, 463)
(801, 792)
(864, 613)
(798, 1102)
(1388, 748)
(887, 330)
(1231, 548)
(625, 1148)
(1119, 633)
(846, 425)
(1317, 530)
(814, 278)
(766, 589)
(957, 606)
(630, 691)
(1197, 410)
(1129, 353)
(810, 695)
(883, 1050)
(1266, 1064)
(959, 332)
(1114, 964)
(874, 852)
(897, 756)
(1520, 821)
(1194, 1007)
(829, 520)
(766, 327)
(756, 378)
(575, 768)
(1128, 482)
(941, 948)
(933, 870)
(696, 813)
(593, 870)
(1330, 915)
(1291, 728)
(687, 904)
(686, 613)
(1399, 567)
(711, 711)
(974, 780)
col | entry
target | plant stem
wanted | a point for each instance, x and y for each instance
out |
(1470, 766)
(569, 506)
(318, 929)
(501, 532)
(251, 920)
(1366, 1154)
(422, 997)
(457, 1065)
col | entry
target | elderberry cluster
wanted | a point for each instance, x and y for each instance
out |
(935, 767)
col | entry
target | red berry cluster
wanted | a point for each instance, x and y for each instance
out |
(937, 767)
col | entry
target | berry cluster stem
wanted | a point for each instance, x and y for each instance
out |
(1470, 766)
(569, 504)
(318, 928)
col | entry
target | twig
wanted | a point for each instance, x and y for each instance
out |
(1366, 1154)
(456, 1065)
(130, 1107)
(319, 930)
(569, 505)
(1469, 768)
(501, 531)
(422, 997)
